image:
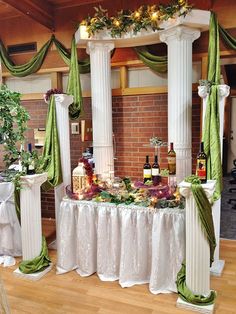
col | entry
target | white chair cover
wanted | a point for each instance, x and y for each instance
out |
(10, 231)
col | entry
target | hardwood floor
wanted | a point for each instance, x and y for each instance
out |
(70, 293)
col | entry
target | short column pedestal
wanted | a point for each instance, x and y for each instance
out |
(197, 250)
(31, 225)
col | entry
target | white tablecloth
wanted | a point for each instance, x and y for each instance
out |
(132, 244)
(10, 232)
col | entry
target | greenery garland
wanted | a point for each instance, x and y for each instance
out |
(13, 123)
(146, 16)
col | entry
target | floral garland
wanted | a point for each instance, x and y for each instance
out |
(88, 169)
(144, 17)
(52, 92)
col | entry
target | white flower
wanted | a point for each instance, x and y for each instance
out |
(13, 112)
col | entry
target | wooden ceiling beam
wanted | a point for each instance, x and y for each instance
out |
(40, 11)
(75, 3)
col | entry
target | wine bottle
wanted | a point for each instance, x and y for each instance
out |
(147, 171)
(172, 160)
(156, 178)
(30, 167)
(201, 170)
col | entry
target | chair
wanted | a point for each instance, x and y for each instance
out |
(10, 231)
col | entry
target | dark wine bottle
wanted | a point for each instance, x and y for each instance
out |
(172, 160)
(31, 167)
(201, 170)
(156, 178)
(147, 171)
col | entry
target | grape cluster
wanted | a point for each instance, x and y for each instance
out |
(51, 92)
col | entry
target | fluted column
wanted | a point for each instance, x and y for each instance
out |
(101, 106)
(197, 245)
(63, 127)
(218, 265)
(179, 40)
(30, 204)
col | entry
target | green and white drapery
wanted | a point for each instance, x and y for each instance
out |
(74, 87)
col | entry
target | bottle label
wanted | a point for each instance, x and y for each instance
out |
(155, 171)
(172, 160)
(201, 168)
(147, 173)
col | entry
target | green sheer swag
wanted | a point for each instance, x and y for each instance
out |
(51, 151)
(74, 86)
(156, 63)
(206, 219)
(37, 264)
(211, 131)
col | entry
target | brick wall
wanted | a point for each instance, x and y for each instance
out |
(135, 120)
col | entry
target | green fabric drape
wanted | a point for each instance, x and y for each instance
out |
(204, 212)
(187, 295)
(51, 151)
(84, 65)
(37, 264)
(211, 136)
(28, 68)
(156, 63)
(17, 202)
(74, 85)
(206, 219)
(229, 40)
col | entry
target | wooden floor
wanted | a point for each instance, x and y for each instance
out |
(70, 293)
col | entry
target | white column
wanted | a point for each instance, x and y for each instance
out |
(218, 265)
(179, 41)
(30, 204)
(197, 246)
(63, 127)
(101, 106)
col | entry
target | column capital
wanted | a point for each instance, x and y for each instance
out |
(105, 46)
(35, 179)
(63, 99)
(180, 33)
(223, 91)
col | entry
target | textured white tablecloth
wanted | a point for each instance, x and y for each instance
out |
(10, 231)
(132, 244)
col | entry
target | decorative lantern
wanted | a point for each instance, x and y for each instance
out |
(79, 178)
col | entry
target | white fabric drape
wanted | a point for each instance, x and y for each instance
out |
(132, 244)
(10, 231)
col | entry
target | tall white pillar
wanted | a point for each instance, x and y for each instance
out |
(179, 40)
(101, 106)
(197, 247)
(30, 204)
(218, 265)
(63, 127)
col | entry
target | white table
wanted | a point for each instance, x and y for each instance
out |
(10, 231)
(132, 244)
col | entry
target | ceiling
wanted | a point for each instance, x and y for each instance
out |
(43, 11)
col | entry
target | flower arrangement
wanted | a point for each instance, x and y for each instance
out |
(88, 169)
(156, 141)
(143, 18)
(52, 92)
(13, 124)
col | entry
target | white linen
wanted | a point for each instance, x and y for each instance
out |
(132, 244)
(10, 231)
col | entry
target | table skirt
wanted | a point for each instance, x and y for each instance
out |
(132, 244)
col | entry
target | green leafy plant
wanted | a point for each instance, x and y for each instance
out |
(13, 124)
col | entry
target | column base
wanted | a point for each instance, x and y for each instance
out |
(217, 268)
(207, 309)
(35, 276)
